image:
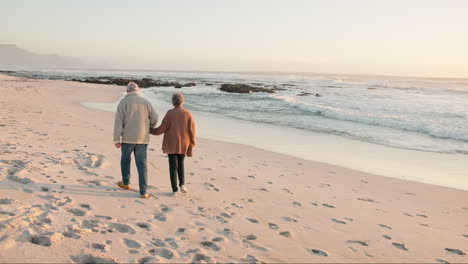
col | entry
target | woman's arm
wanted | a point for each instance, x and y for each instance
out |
(192, 130)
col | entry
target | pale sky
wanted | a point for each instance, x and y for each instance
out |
(395, 37)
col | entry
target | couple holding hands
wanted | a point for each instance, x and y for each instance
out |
(135, 119)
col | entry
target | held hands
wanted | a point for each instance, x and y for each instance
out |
(118, 145)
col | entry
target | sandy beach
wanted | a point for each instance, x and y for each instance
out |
(59, 201)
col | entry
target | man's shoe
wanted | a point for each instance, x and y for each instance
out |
(174, 194)
(183, 189)
(144, 195)
(123, 186)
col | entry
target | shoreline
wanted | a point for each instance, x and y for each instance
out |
(244, 204)
(413, 165)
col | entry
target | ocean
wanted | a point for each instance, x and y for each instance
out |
(409, 128)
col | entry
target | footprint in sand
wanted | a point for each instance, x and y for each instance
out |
(217, 239)
(160, 217)
(286, 234)
(370, 200)
(221, 220)
(165, 208)
(172, 242)
(338, 221)
(225, 215)
(85, 206)
(455, 251)
(400, 246)
(296, 204)
(144, 226)
(287, 190)
(328, 206)
(387, 237)
(88, 258)
(421, 215)
(163, 252)
(385, 226)
(226, 231)
(273, 226)
(248, 244)
(72, 233)
(122, 228)
(132, 243)
(251, 237)
(199, 258)
(158, 242)
(318, 252)
(236, 205)
(99, 246)
(45, 240)
(103, 217)
(254, 221)
(7, 213)
(77, 212)
(18, 179)
(290, 219)
(442, 261)
(91, 224)
(251, 260)
(210, 245)
(362, 243)
(147, 260)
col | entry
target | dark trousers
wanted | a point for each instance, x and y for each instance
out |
(139, 151)
(176, 168)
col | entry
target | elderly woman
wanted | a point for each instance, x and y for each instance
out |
(178, 128)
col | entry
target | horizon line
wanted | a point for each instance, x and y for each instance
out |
(261, 72)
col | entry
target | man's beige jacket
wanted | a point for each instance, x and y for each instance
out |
(134, 117)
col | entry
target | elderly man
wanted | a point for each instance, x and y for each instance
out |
(134, 118)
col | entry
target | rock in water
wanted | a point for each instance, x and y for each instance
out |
(242, 88)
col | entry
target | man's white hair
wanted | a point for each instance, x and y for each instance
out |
(132, 87)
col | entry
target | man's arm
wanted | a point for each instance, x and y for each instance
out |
(153, 116)
(118, 125)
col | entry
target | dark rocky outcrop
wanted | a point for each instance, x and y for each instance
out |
(307, 94)
(142, 83)
(243, 88)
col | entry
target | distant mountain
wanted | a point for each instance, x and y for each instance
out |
(12, 56)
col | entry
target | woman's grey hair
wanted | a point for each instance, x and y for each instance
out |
(132, 87)
(177, 99)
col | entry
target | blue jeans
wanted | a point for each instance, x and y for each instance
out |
(140, 160)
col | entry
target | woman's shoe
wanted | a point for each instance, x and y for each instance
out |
(123, 186)
(183, 189)
(144, 195)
